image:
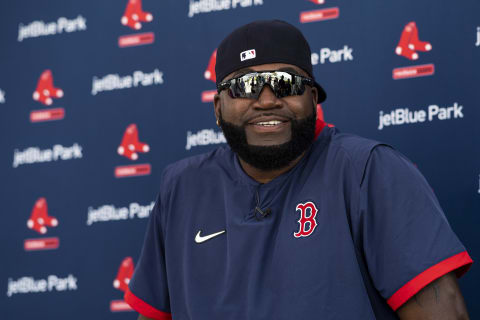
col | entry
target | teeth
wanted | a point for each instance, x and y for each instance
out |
(268, 123)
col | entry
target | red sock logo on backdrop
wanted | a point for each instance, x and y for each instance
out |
(44, 93)
(39, 218)
(131, 145)
(408, 47)
(132, 18)
(45, 90)
(410, 43)
(129, 148)
(209, 74)
(39, 221)
(124, 274)
(319, 14)
(134, 15)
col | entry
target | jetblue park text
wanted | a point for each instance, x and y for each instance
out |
(51, 283)
(40, 28)
(36, 155)
(403, 116)
(204, 137)
(205, 6)
(111, 213)
(116, 82)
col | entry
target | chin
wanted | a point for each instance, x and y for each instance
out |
(270, 151)
(268, 143)
(267, 140)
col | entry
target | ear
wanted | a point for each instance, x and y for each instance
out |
(315, 96)
(217, 105)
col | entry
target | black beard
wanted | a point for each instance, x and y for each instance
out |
(269, 158)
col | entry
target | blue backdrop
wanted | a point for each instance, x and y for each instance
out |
(97, 97)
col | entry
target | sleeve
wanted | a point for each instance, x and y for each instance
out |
(406, 238)
(148, 289)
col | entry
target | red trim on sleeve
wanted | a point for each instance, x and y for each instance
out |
(460, 262)
(144, 308)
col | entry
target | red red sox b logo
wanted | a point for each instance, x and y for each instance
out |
(307, 222)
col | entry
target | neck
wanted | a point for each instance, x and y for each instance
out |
(263, 176)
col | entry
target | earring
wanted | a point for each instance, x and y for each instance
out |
(218, 123)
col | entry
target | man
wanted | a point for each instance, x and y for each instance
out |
(293, 221)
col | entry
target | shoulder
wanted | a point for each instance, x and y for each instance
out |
(375, 161)
(209, 164)
(354, 150)
(353, 146)
(184, 180)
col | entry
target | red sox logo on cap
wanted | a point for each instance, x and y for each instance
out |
(308, 223)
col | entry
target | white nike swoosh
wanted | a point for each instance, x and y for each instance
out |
(200, 239)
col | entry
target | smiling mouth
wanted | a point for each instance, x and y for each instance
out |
(271, 123)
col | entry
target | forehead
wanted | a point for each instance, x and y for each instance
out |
(269, 67)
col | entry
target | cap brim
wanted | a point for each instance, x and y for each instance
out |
(322, 95)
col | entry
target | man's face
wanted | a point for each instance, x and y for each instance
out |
(250, 113)
(268, 124)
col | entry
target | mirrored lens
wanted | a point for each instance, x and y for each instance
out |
(283, 84)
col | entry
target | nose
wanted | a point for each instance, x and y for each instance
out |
(267, 99)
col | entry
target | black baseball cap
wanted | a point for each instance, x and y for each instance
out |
(261, 42)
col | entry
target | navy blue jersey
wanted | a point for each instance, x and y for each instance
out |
(351, 232)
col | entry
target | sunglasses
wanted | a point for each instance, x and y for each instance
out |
(282, 83)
